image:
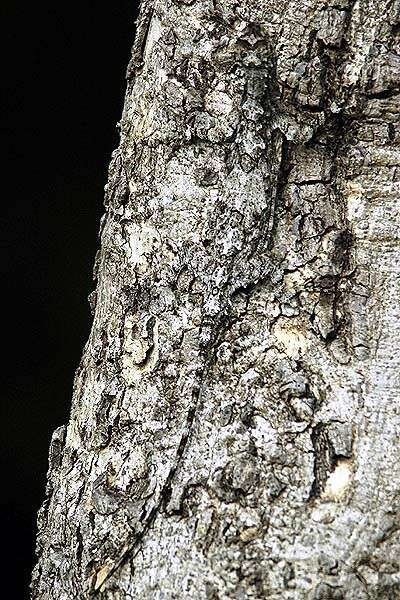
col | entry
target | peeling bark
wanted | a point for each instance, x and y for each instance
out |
(235, 420)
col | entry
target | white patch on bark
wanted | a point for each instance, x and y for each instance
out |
(338, 481)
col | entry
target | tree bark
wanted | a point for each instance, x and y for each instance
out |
(235, 421)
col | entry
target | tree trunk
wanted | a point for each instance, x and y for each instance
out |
(235, 423)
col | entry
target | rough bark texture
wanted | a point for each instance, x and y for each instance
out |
(235, 423)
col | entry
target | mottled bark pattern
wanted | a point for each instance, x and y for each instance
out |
(236, 420)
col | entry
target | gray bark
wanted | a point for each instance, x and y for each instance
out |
(235, 421)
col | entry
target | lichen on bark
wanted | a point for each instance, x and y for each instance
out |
(235, 419)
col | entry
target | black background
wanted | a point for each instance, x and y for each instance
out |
(63, 67)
